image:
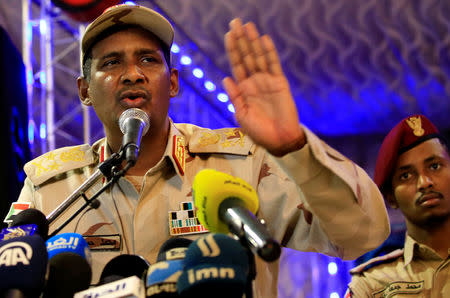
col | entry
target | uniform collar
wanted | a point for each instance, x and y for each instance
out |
(102, 150)
(408, 253)
(417, 250)
(175, 151)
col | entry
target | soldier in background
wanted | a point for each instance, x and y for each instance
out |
(413, 173)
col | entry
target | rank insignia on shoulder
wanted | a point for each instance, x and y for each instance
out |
(58, 161)
(185, 221)
(15, 209)
(224, 140)
(179, 152)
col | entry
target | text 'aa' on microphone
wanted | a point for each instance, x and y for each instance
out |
(134, 124)
(215, 265)
(23, 266)
(227, 204)
(162, 276)
(69, 259)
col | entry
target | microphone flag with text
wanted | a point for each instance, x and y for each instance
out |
(162, 276)
(19, 231)
(23, 266)
(69, 260)
(228, 204)
(122, 276)
(134, 124)
(27, 222)
(215, 265)
(129, 287)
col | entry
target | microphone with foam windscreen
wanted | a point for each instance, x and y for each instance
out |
(215, 265)
(69, 265)
(23, 266)
(162, 276)
(134, 123)
(227, 204)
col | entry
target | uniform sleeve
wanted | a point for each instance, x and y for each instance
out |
(318, 200)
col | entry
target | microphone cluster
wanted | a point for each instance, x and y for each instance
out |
(215, 264)
(60, 267)
(33, 265)
(212, 265)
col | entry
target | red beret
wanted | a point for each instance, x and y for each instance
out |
(406, 135)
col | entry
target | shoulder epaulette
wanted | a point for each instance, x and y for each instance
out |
(224, 140)
(58, 161)
(390, 257)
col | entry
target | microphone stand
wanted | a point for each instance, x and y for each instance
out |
(251, 271)
(240, 236)
(108, 169)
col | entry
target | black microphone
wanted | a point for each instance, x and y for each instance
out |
(162, 277)
(134, 123)
(173, 249)
(228, 204)
(23, 266)
(69, 265)
(32, 216)
(123, 266)
(215, 265)
(122, 276)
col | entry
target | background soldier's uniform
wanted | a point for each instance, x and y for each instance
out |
(415, 271)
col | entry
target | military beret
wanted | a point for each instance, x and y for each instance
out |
(406, 135)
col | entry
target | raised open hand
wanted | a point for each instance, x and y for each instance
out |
(260, 92)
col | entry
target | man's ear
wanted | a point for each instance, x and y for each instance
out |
(83, 88)
(390, 199)
(174, 83)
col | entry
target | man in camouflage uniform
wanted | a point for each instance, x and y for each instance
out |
(312, 197)
(413, 173)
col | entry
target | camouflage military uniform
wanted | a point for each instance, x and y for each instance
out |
(313, 200)
(415, 271)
